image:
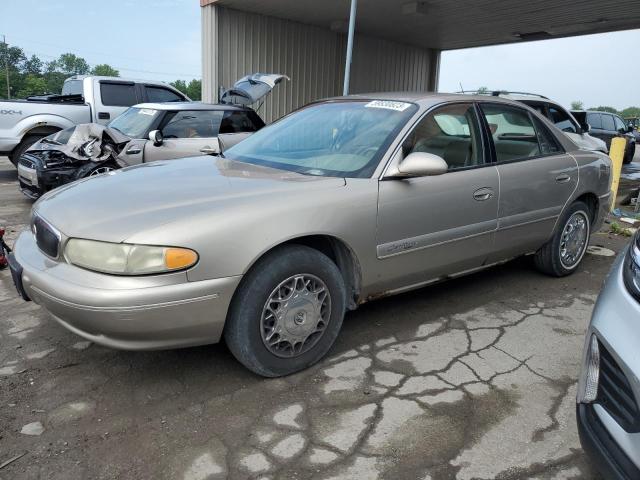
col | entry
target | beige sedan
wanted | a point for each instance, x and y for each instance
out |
(338, 203)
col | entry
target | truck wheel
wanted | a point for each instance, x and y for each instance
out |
(630, 152)
(562, 254)
(22, 147)
(287, 311)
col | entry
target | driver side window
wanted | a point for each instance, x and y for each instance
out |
(451, 132)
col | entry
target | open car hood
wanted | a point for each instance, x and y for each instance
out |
(252, 88)
(84, 142)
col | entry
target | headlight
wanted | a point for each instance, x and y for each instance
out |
(127, 259)
(631, 268)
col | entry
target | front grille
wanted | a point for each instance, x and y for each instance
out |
(615, 393)
(48, 240)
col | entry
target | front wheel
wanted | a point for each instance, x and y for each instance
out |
(562, 254)
(95, 170)
(287, 311)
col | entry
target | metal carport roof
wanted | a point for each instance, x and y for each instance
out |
(453, 24)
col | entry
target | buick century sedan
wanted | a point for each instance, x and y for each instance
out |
(343, 201)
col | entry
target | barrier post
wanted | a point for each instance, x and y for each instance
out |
(616, 152)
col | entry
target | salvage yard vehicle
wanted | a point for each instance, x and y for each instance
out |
(608, 413)
(607, 126)
(83, 99)
(341, 202)
(561, 118)
(144, 133)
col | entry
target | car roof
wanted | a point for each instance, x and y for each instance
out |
(190, 106)
(424, 99)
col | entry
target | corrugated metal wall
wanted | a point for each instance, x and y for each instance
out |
(237, 43)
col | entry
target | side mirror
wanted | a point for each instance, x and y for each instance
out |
(586, 128)
(156, 137)
(630, 129)
(420, 164)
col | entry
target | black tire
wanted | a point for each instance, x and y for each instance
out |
(22, 147)
(548, 259)
(243, 327)
(629, 153)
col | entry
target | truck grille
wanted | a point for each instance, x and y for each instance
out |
(615, 393)
(47, 238)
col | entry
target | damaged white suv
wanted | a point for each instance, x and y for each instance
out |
(144, 133)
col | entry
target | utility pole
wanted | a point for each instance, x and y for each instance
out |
(6, 64)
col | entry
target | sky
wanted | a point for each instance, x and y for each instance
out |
(160, 40)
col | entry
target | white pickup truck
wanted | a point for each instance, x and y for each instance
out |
(84, 99)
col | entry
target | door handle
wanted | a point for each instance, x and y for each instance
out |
(563, 178)
(104, 115)
(483, 194)
(134, 150)
(208, 150)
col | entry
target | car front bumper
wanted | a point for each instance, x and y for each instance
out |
(130, 313)
(616, 324)
(36, 180)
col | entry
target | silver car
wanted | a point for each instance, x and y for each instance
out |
(341, 202)
(607, 411)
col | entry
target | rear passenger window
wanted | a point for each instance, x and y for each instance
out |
(607, 122)
(192, 124)
(238, 122)
(548, 143)
(594, 120)
(513, 134)
(118, 94)
(160, 94)
(451, 132)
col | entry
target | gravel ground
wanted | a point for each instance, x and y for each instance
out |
(474, 378)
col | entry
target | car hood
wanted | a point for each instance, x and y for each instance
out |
(587, 142)
(115, 206)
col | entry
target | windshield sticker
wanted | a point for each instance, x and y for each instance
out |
(389, 105)
(147, 111)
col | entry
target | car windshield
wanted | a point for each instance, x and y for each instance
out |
(333, 139)
(135, 122)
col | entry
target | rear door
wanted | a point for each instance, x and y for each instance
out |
(439, 225)
(112, 98)
(187, 133)
(537, 178)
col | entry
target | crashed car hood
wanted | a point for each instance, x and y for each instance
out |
(83, 142)
(118, 205)
(252, 88)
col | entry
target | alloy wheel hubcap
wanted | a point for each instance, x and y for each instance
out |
(573, 242)
(100, 171)
(295, 316)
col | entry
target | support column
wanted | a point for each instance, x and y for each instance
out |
(434, 71)
(210, 46)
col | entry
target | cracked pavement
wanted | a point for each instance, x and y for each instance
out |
(470, 379)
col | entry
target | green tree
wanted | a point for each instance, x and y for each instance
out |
(180, 85)
(482, 91)
(32, 66)
(194, 89)
(630, 112)
(10, 58)
(32, 85)
(577, 105)
(605, 109)
(105, 70)
(71, 64)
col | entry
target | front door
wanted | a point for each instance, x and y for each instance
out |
(187, 133)
(429, 227)
(536, 178)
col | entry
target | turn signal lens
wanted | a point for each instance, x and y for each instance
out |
(178, 258)
(588, 392)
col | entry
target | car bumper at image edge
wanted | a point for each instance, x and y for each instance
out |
(149, 318)
(601, 448)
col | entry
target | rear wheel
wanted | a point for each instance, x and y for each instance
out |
(287, 311)
(26, 142)
(629, 153)
(562, 254)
